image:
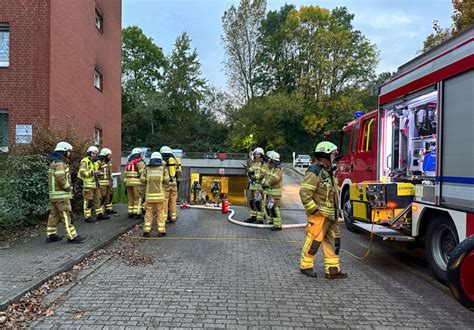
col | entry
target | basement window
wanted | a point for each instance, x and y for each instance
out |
(98, 80)
(4, 44)
(99, 21)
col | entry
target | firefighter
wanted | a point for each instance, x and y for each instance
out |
(154, 176)
(196, 191)
(256, 174)
(318, 193)
(106, 180)
(272, 184)
(265, 191)
(60, 195)
(215, 190)
(133, 169)
(174, 171)
(90, 175)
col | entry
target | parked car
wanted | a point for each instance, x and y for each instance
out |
(303, 160)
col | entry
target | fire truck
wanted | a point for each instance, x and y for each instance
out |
(407, 169)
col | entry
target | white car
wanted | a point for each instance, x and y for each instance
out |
(303, 160)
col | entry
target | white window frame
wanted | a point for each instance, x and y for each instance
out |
(98, 80)
(5, 29)
(99, 20)
(97, 136)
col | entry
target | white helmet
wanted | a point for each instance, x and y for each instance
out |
(63, 146)
(136, 151)
(156, 155)
(275, 156)
(166, 150)
(105, 152)
(259, 151)
(93, 149)
(269, 153)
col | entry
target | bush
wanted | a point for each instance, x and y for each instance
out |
(24, 190)
(24, 177)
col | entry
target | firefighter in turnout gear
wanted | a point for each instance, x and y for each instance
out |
(155, 176)
(256, 174)
(90, 175)
(106, 180)
(196, 191)
(272, 184)
(265, 190)
(215, 190)
(133, 170)
(174, 171)
(60, 195)
(318, 193)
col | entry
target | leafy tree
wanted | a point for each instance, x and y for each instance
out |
(463, 18)
(330, 63)
(241, 26)
(143, 64)
(273, 122)
(272, 73)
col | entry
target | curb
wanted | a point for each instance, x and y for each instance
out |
(14, 297)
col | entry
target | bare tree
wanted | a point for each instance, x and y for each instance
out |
(240, 40)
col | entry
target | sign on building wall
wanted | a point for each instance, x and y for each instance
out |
(221, 171)
(23, 134)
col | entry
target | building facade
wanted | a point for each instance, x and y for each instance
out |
(60, 64)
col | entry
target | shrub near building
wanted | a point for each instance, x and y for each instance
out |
(24, 179)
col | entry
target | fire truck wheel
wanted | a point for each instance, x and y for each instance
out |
(347, 213)
(441, 239)
(461, 273)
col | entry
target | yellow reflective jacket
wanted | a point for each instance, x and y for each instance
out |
(106, 169)
(256, 174)
(319, 192)
(59, 181)
(87, 173)
(274, 180)
(155, 177)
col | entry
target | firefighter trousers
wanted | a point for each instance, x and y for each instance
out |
(274, 213)
(92, 199)
(107, 195)
(151, 208)
(60, 211)
(256, 207)
(134, 200)
(320, 231)
(170, 203)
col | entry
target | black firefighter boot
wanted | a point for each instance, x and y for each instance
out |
(334, 273)
(53, 238)
(308, 272)
(76, 240)
(252, 219)
(111, 212)
(102, 216)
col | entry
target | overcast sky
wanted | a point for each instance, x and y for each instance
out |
(398, 28)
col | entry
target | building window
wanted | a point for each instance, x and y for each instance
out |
(3, 130)
(98, 136)
(4, 44)
(99, 21)
(98, 80)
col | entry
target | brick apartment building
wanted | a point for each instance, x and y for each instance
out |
(60, 61)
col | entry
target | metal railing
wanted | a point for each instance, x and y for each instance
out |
(215, 155)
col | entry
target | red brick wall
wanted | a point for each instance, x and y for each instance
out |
(24, 85)
(77, 48)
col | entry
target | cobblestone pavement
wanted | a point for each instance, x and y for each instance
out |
(210, 273)
(25, 262)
